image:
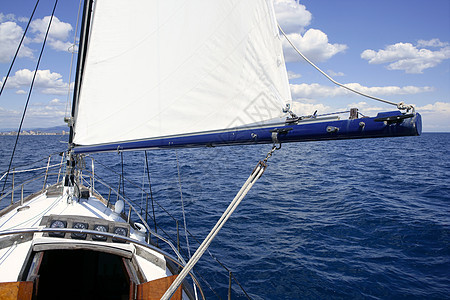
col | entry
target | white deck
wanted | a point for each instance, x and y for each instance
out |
(13, 254)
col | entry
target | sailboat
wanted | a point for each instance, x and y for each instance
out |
(160, 78)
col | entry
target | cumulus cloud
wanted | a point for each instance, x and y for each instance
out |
(436, 116)
(313, 44)
(335, 74)
(316, 90)
(409, 58)
(8, 17)
(58, 34)
(293, 75)
(292, 16)
(307, 108)
(368, 109)
(48, 82)
(431, 43)
(49, 113)
(55, 101)
(10, 35)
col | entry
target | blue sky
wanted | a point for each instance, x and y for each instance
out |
(397, 50)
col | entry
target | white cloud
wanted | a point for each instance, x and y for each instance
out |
(316, 90)
(293, 75)
(10, 35)
(334, 74)
(8, 17)
(436, 116)
(313, 44)
(306, 109)
(38, 115)
(431, 43)
(58, 30)
(368, 109)
(409, 58)
(9, 117)
(58, 34)
(292, 16)
(48, 82)
(55, 101)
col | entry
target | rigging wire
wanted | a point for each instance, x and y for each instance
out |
(18, 48)
(73, 54)
(142, 195)
(151, 194)
(182, 204)
(168, 235)
(29, 93)
(254, 176)
(184, 214)
(400, 105)
(122, 177)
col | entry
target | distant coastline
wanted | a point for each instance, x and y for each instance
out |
(56, 130)
(32, 132)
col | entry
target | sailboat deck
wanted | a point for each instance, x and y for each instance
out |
(34, 215)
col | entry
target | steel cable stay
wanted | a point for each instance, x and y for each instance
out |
(400, 105)
(254, 176)
(151, 193)
(168, 237)
(29, 93)
(184, 215)
(18, 48)
(182, 204)
(73, 51)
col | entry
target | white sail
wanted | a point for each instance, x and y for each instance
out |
(156, 69)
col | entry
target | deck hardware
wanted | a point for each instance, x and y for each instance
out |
(57, 224)
(332, 129)
(394, 119)
(79, 235)
(276, 132)
(120, 231)
(101, 228)
(22, 208)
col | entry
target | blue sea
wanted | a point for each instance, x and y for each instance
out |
(353, 219)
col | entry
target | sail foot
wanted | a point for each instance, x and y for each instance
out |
(389, 124)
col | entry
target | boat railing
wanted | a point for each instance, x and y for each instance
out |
(19, 179)
(90, 178)
(131, 209)
(40, 178)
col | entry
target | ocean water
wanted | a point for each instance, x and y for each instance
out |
(355, 219)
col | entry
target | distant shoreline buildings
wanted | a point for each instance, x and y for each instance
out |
(33, 132)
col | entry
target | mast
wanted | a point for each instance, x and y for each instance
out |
(70, 179)
(84, 36)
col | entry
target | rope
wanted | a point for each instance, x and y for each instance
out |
(18, 48)
(29, 93)
(400, 105)
(254, 176)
